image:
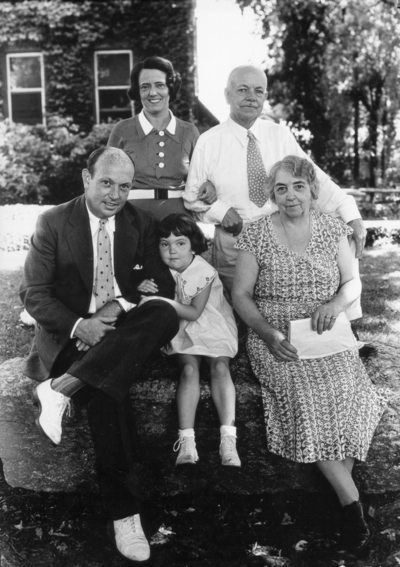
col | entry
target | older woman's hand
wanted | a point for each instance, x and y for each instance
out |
(324, 317)
(279, 346)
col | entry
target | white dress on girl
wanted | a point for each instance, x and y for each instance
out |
(214, 333)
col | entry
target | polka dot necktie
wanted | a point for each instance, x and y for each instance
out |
(104, 283)
(256, 175)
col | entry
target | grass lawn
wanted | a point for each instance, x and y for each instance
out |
(15, 338)
(201, 538)
(380, 272)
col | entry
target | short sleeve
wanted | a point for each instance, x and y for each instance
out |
(333, 231)
(115, 139)
(346, 229)
(199, 275)
(250, 237)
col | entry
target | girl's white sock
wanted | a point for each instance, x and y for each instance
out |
(228, 430)
(186, 433)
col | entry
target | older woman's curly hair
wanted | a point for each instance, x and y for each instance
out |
(173, 79)
(299, 167)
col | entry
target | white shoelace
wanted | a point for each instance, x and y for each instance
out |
(66, 403)
(228, 442)
(183, 442)
(129, 523)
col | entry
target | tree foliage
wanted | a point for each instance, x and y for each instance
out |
(68, 32)
(43, 165)
(336, 73)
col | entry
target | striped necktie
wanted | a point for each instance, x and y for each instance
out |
(256, 175)
(104, 282)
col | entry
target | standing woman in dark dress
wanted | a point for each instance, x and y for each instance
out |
(159, 144)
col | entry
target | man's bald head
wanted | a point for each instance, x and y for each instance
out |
(107, 181)
(108, 155)
(243, 69)
(245, 93)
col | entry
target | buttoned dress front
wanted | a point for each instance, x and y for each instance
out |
(161, 158)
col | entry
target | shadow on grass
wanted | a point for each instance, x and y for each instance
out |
(203, 529)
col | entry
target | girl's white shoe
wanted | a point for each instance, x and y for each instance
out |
(187, 451)
(228, 452)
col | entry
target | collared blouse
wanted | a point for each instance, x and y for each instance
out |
(161, 158)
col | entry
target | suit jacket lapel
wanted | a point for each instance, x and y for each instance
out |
(80, 242)
(126, 239)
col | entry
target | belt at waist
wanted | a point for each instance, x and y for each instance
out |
(155, 194)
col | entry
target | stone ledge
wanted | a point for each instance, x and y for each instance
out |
(31, 463)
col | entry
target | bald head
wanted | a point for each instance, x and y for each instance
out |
(237, 72)
(109, 155)
(246, 93)
(107, 181)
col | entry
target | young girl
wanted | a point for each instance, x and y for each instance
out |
(207, 329)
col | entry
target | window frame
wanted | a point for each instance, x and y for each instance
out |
(98, 88)
(41, 89)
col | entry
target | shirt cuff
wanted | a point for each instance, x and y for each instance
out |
(349, 211)
(74, 327)
(126, 306)
(216, 212)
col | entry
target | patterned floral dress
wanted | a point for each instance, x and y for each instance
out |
(315, 409)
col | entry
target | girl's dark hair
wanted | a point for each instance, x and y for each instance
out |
(173, 79)
(179, 224)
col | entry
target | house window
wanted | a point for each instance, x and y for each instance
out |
(111, 71)
(25, 80)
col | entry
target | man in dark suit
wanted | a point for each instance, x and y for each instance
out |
(89, 330)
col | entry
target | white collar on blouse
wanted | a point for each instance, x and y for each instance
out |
(147, 127)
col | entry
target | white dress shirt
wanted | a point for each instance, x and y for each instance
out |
(110, 227)
(220, 156)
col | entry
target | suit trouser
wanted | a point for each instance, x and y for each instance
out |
(110, 368)
(224, 256)
(224, 261)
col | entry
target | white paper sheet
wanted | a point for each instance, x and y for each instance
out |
(310, 344)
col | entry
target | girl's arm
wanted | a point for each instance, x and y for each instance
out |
(350, 289)
(193, 311)
(246, 273)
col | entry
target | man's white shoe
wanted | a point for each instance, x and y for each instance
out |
(228, 452)
(130, 539)
(52, 406)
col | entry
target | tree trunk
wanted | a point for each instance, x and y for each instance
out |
(384, 125)
(373, 151)
(356, 163)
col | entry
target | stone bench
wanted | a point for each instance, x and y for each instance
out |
(30, 462)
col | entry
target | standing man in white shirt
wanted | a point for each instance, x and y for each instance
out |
(221, 156)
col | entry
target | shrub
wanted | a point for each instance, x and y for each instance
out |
(386, 211)
(41, 164)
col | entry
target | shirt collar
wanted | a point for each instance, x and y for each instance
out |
(94, 222)
(147, 127)
(241, 133)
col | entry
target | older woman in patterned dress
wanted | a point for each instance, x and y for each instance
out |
(292, 265)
